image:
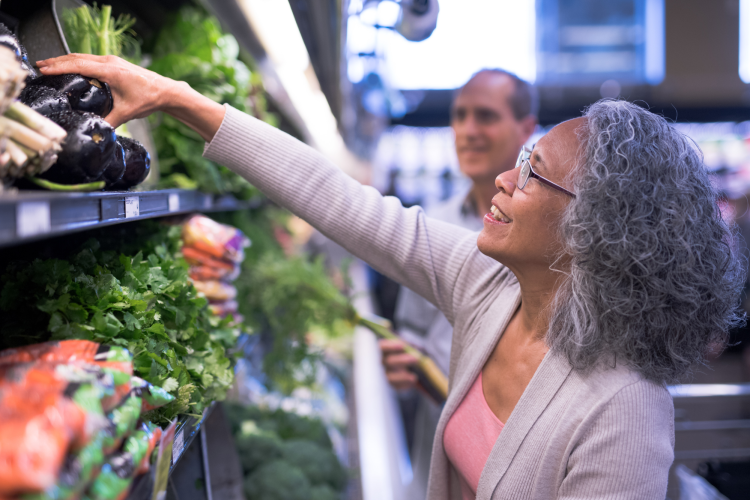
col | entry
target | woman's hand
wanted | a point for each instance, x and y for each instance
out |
(138, 92)
(397, 364)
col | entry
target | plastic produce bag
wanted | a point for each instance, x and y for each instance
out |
(151, 396)
(68, 351)
(39, 427)
(76, 474)
(121, 422)
(218, 240)
(216, 291)
(120, 468)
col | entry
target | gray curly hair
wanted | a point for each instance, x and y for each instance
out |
(656, 275)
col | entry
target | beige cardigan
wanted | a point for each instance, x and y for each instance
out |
(606, 434)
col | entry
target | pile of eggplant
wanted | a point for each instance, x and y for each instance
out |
(91, 152)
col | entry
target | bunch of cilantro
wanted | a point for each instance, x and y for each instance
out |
(143, 301)
(192, 48)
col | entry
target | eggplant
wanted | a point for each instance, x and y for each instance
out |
(137, 164)
(45, 100)
(8, 39)
(115, 167)
(87, 95)
(88, 150)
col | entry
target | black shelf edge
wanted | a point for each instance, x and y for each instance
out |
(34, 215)
(188, 429)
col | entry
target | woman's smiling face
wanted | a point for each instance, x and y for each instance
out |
(523, 232)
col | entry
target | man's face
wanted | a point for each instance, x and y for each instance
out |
(488, 136)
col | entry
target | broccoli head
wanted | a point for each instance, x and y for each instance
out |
(323, 492)
(292, 426)
(319, 464)
(257, 449)
(277, 480)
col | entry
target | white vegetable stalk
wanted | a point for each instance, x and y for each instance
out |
(29, 142)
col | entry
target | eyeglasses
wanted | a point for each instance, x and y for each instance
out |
(527, 172)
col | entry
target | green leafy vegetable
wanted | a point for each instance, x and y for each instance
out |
(143, 301)
(286, 298)
(192, 48)
(93, 30)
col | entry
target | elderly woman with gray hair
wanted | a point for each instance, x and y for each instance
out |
(604, 271)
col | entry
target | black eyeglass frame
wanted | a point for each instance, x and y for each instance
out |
(524, 161)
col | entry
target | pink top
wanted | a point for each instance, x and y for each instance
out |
(469, 437)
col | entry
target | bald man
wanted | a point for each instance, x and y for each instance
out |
(492, 116)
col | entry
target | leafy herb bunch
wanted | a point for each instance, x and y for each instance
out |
(192, 48)
(285, 298)
(144, 302)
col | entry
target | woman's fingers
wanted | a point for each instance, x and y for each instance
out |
(137, 92)
(85, 64)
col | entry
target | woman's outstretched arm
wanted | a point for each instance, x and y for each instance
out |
(423, 254)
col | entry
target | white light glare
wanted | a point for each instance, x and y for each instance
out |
(744, 66)
(470, 35)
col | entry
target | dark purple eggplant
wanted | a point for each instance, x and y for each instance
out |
(88, 150)
(45, 100)
(115, 167)
(137, 164)
(8, 39)
(85, 94)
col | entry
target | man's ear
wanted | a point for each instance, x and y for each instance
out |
(528, 125)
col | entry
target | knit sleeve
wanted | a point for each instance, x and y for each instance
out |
(628, 451)
(424, 254)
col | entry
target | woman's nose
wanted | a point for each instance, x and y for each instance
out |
(507, 181)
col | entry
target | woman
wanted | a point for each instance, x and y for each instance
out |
(604, 270)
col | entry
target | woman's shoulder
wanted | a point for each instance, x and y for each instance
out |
(617, 386)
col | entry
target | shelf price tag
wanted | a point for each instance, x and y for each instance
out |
(174, 202)
(32, 218)
(178, 446)
(132, 207)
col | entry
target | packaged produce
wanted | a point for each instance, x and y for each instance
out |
(76, 473)
(206, 273)
(218, 240)
(120, 468)
(110, 366)
(153, 434)
(196, 257)
(216, 291)
(39, 427)
(120, 422)
(70, 351)
(224, 308)
(152, 397)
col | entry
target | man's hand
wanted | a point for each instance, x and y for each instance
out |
(397, 364)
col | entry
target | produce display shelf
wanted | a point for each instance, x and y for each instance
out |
(32, 215)
(188, 429)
